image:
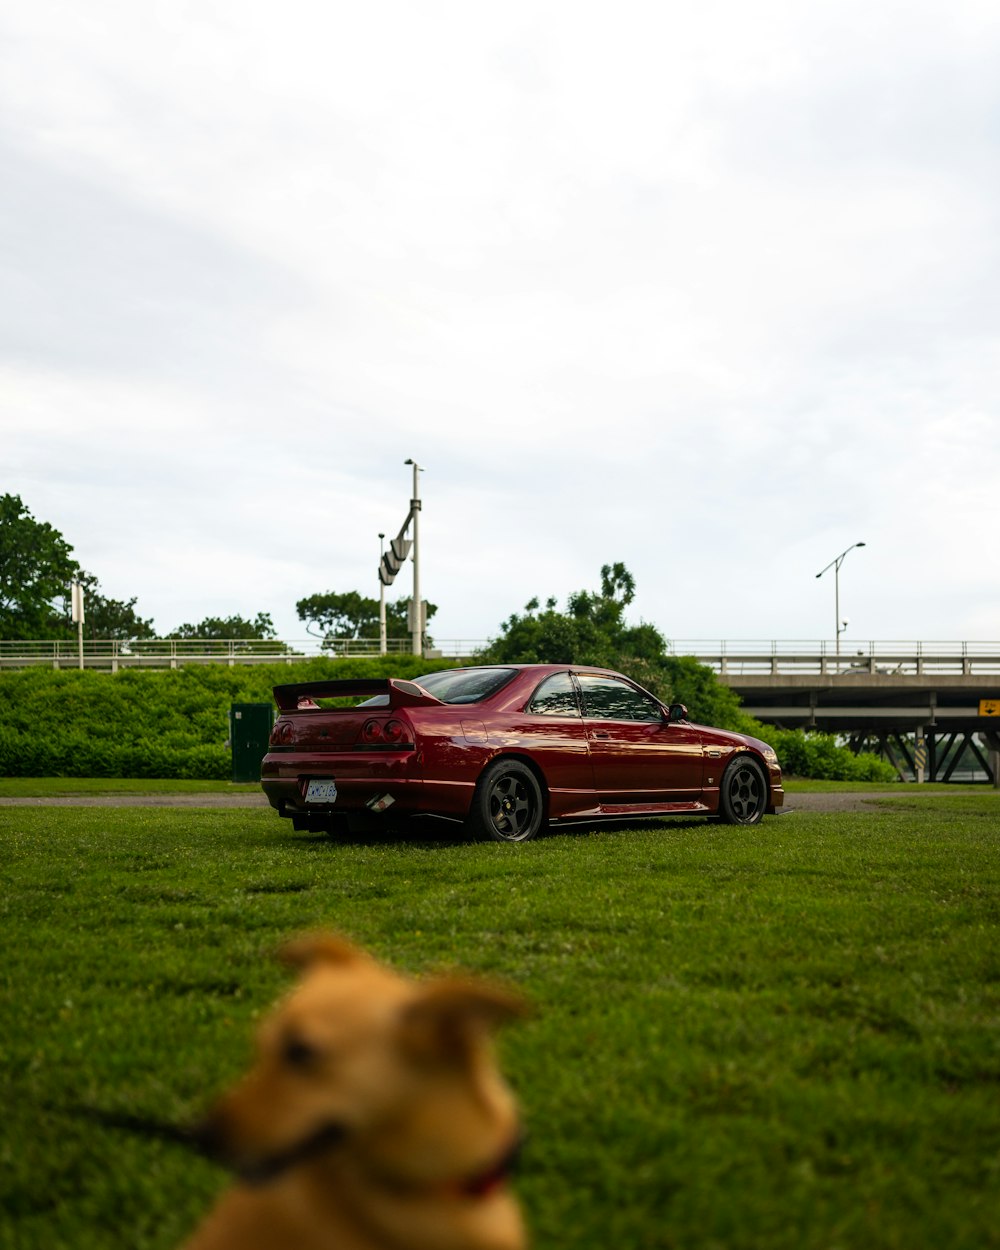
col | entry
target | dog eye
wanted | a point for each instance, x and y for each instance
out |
(298, 1053)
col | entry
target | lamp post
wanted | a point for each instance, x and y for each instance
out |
(835, 565)
(417, 620)
(76, 600)
(381, 598)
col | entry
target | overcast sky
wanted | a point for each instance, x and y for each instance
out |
(712, 290)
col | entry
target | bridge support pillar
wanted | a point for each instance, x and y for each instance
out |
(920, 755)
(993, 746)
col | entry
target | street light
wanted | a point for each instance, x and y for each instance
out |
(381, 597)
(835, 565)
(417, 625)
(76, 601)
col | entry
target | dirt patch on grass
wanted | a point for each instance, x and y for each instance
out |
(838, 801)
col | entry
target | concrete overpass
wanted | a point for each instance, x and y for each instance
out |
(932, 708)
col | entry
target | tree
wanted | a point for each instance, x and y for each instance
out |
(36, 568)
(706, 698)
(591, 631)
(246, 637)
(36, 572)
(351, 615)
(229, 627)
(344, 615)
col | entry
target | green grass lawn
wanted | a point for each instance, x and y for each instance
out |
(780, 1037)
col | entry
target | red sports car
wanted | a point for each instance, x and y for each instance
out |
(505, 750)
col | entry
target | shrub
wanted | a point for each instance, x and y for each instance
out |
(820, 756)
(148, 724)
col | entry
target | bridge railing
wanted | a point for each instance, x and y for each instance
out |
(728, 658)
(111, 654)
(773, 658)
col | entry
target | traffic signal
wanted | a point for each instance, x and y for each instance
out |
(393, 559)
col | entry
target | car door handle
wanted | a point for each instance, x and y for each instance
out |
(599, 733)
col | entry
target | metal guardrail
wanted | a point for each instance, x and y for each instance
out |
(110, 654)
(736, 659)
(729, 659)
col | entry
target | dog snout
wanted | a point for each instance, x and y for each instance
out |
(210, 1138)
(214, 1138)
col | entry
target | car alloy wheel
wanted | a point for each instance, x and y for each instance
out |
(507, 806)
(743, 795)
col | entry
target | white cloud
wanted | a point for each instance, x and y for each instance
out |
(709, 291)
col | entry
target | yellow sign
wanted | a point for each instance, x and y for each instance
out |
(989, 707)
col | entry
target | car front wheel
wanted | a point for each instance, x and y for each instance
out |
(743, 793)
(507, 805)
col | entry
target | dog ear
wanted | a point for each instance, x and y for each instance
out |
(450, 1012)
(331, 948)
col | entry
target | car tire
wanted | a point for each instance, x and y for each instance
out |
(507, 805)
(743, 792)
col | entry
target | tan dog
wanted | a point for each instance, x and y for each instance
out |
(374, 1119)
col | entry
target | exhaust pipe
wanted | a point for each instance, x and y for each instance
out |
(380, 803)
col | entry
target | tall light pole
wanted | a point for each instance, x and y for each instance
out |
(381, 598)
(76, 601)
(835, 565)
(417, 620)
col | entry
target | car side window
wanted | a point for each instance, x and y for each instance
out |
(556, 696)
(606, 698)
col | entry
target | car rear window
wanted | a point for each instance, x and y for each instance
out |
(465, 685)
(556, 696)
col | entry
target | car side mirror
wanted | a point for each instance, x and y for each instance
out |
(677, 712)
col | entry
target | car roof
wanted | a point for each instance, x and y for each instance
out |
(536, 668)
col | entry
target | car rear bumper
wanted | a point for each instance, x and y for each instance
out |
(364, 781)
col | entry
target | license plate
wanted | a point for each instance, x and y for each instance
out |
(321, 792)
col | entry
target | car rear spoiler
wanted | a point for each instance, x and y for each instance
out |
(300, 695)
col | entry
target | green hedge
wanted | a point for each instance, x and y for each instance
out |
(819, 756)
(67, 723)
(76, 753)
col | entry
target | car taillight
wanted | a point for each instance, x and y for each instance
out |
(287, 732)
(386, 733)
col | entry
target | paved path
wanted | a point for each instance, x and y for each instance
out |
(140, 800)
(838, 801)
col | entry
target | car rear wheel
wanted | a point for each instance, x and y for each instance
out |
(507, 804)
(743, 793)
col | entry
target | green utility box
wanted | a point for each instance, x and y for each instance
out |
(249, 730)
